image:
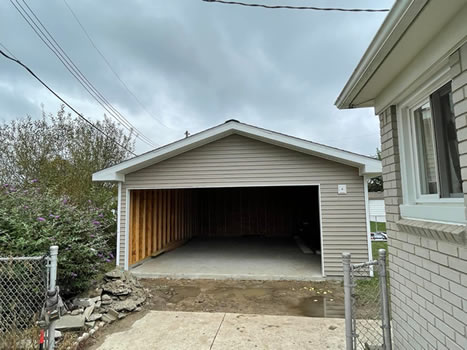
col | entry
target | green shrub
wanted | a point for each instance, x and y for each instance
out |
(33, 219)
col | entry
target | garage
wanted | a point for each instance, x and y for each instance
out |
(237, 201)
(222, 224)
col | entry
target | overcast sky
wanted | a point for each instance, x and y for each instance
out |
(194, 65)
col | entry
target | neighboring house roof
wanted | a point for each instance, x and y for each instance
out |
(407, 29)
(366, 165)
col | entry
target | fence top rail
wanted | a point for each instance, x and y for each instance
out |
(19, 258)
(368, 263)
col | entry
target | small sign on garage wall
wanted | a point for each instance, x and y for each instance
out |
(341, 189)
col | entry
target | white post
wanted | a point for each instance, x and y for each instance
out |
(52, 285)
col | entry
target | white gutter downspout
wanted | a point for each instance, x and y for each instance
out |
(119, 217)
(368, 229)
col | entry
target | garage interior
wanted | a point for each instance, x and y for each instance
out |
(238, 232)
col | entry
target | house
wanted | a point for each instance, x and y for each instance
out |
(414, 74)
(237, 181)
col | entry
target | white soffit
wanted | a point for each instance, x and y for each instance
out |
(409, 27)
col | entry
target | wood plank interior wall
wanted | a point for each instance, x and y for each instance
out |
(160, 218)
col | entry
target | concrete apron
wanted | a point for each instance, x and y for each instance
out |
(234, 258)
(197, 330)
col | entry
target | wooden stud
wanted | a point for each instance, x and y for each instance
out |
(156, 221)
(149, 224)
(137, 227)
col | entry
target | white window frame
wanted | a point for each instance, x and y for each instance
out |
(421, 198)
(414, 205)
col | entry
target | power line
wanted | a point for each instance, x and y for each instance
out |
(63, 101)
(297, 7)
(62, 56)
(110, 66)
(6, 49)
(52, 44)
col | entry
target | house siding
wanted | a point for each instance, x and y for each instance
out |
(236, 161)
(427, 261)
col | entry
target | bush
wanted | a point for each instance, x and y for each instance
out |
(33, 219)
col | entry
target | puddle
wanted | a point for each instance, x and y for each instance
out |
(319, 306)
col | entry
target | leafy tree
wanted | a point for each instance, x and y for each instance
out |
(375, 184)
(47, 195)
(62, 152)
(33, 218)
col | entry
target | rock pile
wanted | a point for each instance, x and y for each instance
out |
(119, 294)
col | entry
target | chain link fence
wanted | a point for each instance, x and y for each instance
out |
(367, 304)
(23, 288)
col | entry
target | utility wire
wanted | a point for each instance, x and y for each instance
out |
(297, 7)
(7, 50)
(110, 66)
(64, 57)
(74, 70)
(63, 101)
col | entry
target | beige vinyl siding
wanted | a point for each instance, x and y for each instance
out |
(236, 161)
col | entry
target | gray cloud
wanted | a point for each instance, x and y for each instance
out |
(195, 64)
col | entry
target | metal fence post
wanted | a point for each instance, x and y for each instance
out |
(52, 285)
(347, 302)
(385, 317)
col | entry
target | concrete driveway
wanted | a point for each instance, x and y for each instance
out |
(215, 331)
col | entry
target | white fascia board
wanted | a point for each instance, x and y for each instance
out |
(393, 28)
(108, 175)
(117, 172)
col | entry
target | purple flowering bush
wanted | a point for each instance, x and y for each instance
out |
(32, 219)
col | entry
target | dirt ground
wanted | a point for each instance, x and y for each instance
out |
(291, 298)
(248, 297)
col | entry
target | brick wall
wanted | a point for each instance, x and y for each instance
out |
(428, 291)
(458, 62)
(427, 261)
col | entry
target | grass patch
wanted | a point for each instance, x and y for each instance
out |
(376, 246)
(367, 289)
(377, 226)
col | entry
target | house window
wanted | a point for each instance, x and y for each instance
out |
(446, 143)
(435, 146)
(425, 145)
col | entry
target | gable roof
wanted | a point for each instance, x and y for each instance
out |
(407, 29)
(366, 165)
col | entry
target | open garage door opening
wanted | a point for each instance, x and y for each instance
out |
(238, 232)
